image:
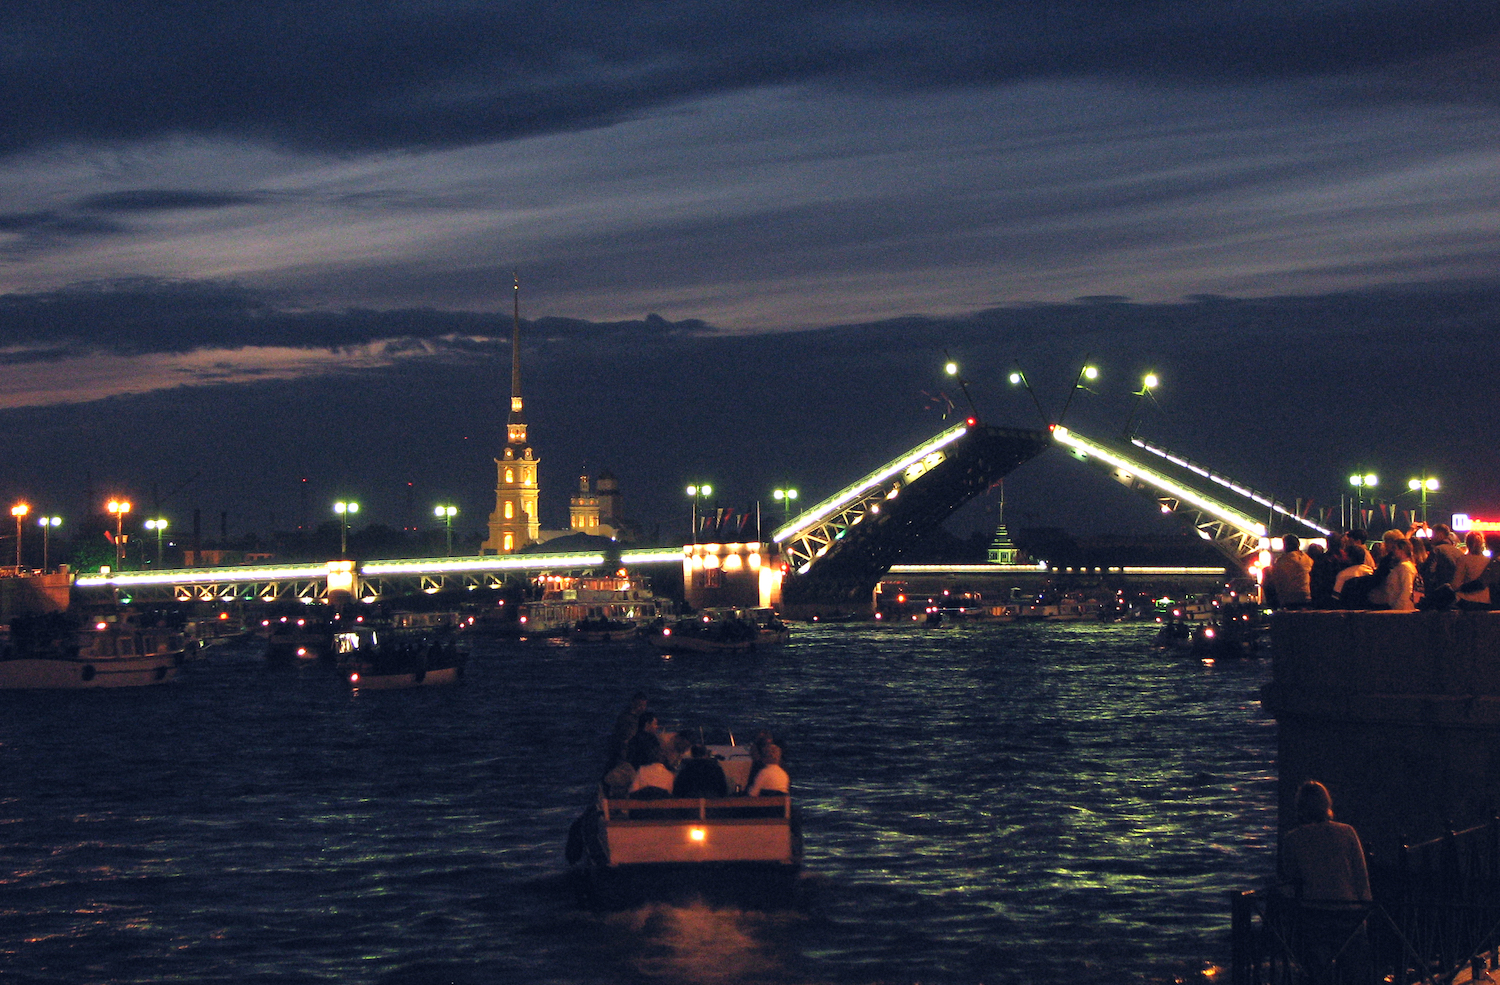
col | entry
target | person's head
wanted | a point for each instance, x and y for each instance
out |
(1358, 536)
(647, 722)
(771, 756)
(700, 752)
(1290, 543)
(1314, 803)
(1442, 534)
(1315, 550)
(1474, 541)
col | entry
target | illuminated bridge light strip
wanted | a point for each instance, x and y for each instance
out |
(1217, 510)
(1002, 569)
(849, 494)
(515, 562)
(421, 566)
(1229, 484)
(199, 576)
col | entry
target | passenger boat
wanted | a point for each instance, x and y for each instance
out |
(747, 848)
(383, 660)
(63, 650)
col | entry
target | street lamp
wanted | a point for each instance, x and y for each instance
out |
(1090, 373)
(344, 510)
(1148, 383)
(698, 491)
(1361, 482)
(1424, 485)
(785, 497)
(951, 368)
(159, 525)
(19, 511)
(47, 523)
(118, 508)
(446, 514)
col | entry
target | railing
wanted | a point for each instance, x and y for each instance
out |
(1435, 917)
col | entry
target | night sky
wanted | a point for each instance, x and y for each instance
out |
(243, 244)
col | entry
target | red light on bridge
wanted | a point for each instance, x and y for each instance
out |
(972, 421)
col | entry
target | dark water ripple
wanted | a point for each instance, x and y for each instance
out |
(982, 804)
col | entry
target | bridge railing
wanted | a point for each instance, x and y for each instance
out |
(1435, 916)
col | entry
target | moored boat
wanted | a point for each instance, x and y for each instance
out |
(63, 650)
(721, 631)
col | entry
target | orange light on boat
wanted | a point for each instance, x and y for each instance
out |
(698, 834)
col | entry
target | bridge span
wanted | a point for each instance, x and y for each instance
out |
(835, 552)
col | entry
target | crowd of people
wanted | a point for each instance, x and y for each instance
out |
(1420, 568)
(645, 762)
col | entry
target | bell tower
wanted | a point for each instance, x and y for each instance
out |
(515, 522)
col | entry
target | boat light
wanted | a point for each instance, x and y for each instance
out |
(354, 678)
(698, 834)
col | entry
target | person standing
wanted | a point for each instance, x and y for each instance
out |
(1289, 577)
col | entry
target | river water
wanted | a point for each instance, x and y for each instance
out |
(981, 804)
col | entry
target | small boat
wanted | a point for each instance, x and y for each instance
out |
(601, 630)
(721, 631)
(748, 848)
(382, 660)
(63, 650)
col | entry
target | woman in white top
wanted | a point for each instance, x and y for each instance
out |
(1395, 592)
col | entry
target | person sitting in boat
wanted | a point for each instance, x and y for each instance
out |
(625, 727)
(645, 745)
(701, 776)
(677, 748)
(652, 780)
(771, 779)
(618, 780)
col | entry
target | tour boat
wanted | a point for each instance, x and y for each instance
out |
(750, 848)
(59, 650)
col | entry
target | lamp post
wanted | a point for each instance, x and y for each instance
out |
(19, 511)
(1148, 383)
(1361, 482)
(696, 492)
(46, 523)
(951, 368)
(446, 514)
(785, 497)
(118, 508)
(1018, 378)
(344, 509)
(159, 525)
(1088, 372)
(1423, 486)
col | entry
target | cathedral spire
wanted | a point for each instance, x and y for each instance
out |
(516, 416)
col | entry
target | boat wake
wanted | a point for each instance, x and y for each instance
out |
(706, 945)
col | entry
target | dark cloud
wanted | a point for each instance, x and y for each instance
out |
(1284, 394)
(145, 315)
(165, 200)
(356, 75)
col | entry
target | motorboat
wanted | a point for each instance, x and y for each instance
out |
(67, 650)
(374, 659)
(721, 631)
(623, 849)
(601, 630)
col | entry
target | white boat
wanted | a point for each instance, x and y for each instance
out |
(52, 652)
(746, 847)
